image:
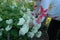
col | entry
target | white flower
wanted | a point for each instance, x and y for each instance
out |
(28, 14)
(30, 34)
(34, 30)
(10, 21)
(28, 11)
(24, 29)
(21, 21)
(38, 34)
(28, 20)
(37, 26)
(0, 33)
(1, 19)
(25, 16)
(8, 28)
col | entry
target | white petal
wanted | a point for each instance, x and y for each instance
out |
(10, 21)
(25, 16)
(36, 27)
(31, 34)
(24, 30)
(8, 28)
(38, 34)
(34, 30)
(21, 21)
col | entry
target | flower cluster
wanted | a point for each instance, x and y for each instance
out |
(25, 28)
(15, 18)
(24, 22)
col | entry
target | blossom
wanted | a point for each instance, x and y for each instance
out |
(1, 19)
(8, 28)
(30, 34)
(25, 16)
(38, 34)
(24, 29)
(37, 26)
(34, 30)
(21, 21)
(28, 12)
(10, 21)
